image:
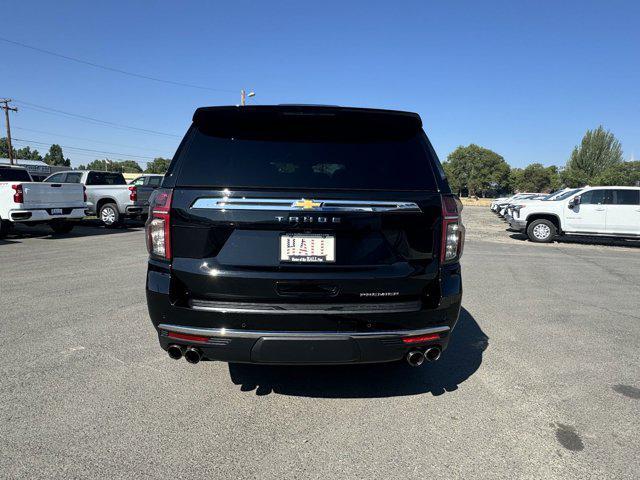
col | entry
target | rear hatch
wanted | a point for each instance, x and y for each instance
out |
(46, 195)
(305, 206)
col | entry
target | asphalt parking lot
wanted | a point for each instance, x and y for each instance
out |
(541, 380)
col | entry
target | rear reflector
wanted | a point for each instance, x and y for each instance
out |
(422, 338)
(186, 336)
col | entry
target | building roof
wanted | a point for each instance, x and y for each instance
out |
(25, 162)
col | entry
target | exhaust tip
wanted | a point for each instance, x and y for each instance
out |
(433, 354)
(415, 358)
(175, 352)
(192, 355)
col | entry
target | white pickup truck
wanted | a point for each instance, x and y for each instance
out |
(591, 211)
(499, 205)
(24, 201)
(108, 195)
(550, 196)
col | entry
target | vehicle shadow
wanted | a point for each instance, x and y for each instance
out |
(83, 228)
(457, 364)
(580, 240)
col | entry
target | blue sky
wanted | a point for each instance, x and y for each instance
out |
(524, 78)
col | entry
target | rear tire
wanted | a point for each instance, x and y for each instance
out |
(542, 231)
(61, 227)
(109, 215)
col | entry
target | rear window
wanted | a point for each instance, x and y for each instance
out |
(307, 160)
(105, 178)
(155, 181)
(14, 175)
(73, 177)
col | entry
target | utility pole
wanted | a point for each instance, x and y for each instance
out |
(244, 95)
(6, 109)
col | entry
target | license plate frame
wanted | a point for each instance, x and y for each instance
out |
(307, 248)
(57, 211)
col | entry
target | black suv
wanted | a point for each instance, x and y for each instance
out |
(304, 235)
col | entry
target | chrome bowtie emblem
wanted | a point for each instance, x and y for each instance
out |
(306, 204)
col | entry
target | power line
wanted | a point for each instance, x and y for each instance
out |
(88, 157)
(86, 149)
(80, 138)
(54, 111)
(116, 70)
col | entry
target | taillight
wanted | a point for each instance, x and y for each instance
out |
(18, 196)
(452, 230)
(84, 193)
(159, 223)
(133, 193)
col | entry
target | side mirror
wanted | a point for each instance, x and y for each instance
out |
(574, 201)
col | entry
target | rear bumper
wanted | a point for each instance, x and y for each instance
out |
(46, 214)
(254, 334)
(134, 210)
(302, 348)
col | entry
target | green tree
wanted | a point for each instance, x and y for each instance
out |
(476, 169)
(130, 166)
(598, 151)
(125, 166)
(4, 148)
(95, 165)
(623, 173)
(27, 154)
(105, 165)
(159, 165)
(535, 178)
(56, 157)
(515, 179)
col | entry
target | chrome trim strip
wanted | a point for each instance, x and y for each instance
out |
(289, 204)
(228, 333)
(307, 309)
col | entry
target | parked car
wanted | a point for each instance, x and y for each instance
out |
(304, 235)
(108, 195)
(496, 201)
(31, 203)
(499, 206)
(144, 187)
(593, 211)
(550, 196)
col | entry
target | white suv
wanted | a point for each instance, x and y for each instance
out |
(600, 211)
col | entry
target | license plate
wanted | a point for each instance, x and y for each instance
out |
(307, 248)
(56, 211)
